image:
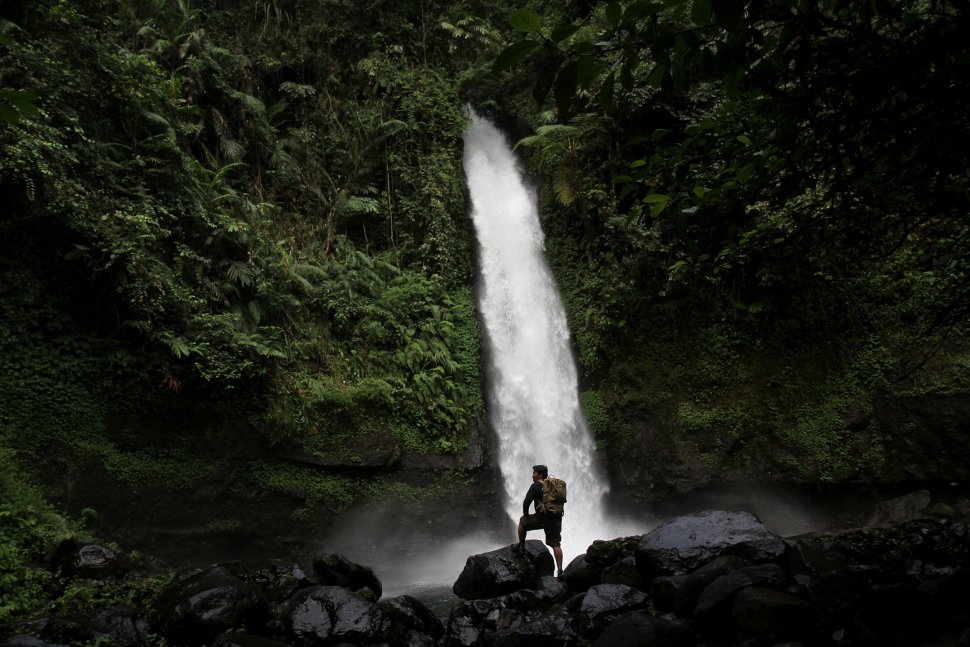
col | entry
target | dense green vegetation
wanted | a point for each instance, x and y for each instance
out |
(254, 213)
(248, 214)
(768, 204)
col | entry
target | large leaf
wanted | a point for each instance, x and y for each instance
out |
(544, 82)
(15, 104)
(562, 32)
(701, 12)
(566, 86)
(527, 21)
(513, 54)
(606, 92)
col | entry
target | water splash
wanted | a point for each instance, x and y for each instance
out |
(533, 386)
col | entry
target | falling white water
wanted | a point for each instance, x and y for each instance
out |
(533, 387)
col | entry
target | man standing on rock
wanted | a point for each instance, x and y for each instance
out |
(550, 522)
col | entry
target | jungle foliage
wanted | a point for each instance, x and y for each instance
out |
(745, 184)
(263, 197)
(253, 211)
(756, 213)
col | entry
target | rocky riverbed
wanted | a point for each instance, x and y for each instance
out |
(712, 577)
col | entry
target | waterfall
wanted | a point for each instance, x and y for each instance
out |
(533, 388)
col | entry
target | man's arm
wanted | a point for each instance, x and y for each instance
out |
(534, 494)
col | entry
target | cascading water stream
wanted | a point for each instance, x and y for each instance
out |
(533, 391)
(533, 386)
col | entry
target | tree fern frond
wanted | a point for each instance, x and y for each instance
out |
(251, 103)
(240, 272)
(232, 150)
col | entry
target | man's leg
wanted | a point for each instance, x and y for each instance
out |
(557, 552)
(521, 532)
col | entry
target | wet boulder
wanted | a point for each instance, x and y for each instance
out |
(623, 572)
(114, 625)
(640, 629)
(406, 615)
(772, 549)
(775, 616)
(333, 614)
(473, 621)
(195, 609)
(679, 593)
(467, 620)
(810, 557)
(898, 614)
(551, 629)
(95, 562)
(118, 625)
(683, 544)
(24, 640)
(605, 601)
(579, 575)
(714, 604)
(281, 582)
(504, 570)
(332, 569)
(547, 590)
(243, 639)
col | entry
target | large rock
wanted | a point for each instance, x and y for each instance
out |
(113, 625)
(466, 622)
(281, 582)
(714, 604)
(606, 601)
(503, 570)
(679, 593)
(24, 640)
(406, 614)
(903, 508)
(640, 629)
(243, 639)
(474, 621)
(623, 572)
(685, 543)
(579, 575)
(119, 626)
(195, 609)
(95, 562)
(551, 629)
(333, 614)
(775, 616)
(602, 553)
(332, 569)
(898, 614)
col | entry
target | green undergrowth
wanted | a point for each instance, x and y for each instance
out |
(30, 531)
(319, 491)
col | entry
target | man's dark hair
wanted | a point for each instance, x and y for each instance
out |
(542, 470)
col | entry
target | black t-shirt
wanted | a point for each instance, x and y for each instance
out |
(533, 495)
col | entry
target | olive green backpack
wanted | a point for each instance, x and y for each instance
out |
(553, 495)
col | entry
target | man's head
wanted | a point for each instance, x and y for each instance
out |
(541, 470)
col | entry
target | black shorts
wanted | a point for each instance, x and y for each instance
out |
(550, 523)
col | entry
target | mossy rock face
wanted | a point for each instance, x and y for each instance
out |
(348, 451)
(925, 437)
(893, 439)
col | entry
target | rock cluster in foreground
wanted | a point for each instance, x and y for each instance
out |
(721, 578)
(710, 578)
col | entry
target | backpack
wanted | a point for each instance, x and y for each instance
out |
(553, 495)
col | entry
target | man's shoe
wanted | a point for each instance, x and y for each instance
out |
(559, 576)
(518, 548)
